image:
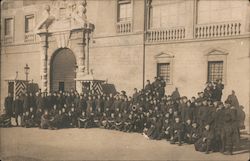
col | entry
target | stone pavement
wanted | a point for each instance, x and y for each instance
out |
(21, 144)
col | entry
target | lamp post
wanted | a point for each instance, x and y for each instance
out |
(26, 70)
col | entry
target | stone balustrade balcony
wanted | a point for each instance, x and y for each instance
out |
(124, 27)
(161, 35)
(217, 30)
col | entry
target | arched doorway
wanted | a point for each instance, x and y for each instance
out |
(62, 71)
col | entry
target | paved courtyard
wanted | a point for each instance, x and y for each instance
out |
(98, 144)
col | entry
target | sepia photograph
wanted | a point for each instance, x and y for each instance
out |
(125, 80)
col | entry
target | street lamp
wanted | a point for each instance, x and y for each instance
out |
(26, 69)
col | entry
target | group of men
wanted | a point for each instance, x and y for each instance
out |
(205, 121)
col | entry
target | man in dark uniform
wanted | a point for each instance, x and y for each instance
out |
(119, 122)
(177, 132)
(230, 128)
(175, 95)
(203, 113)
(218, 88)
(204, 143)
(218, 128)
(17, 109)
(8, 104)
(111, 121)
(188, 132)
(32, 98)
(136, 95)
(148, 87)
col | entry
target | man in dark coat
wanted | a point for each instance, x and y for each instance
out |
(26, 102)
(203, 113)
(218, 90)
(230, 128)
(232, 98)
(218, 127)
(177, 132)
(8, 103)
(17, 109)
(32, 101)
(204, 143)
(148, 87)
(39, 102)
(175, 95)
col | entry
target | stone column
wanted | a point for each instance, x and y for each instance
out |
(44, 60)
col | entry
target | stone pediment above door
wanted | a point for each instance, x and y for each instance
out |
(63, 15)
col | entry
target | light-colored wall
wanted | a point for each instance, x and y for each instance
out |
(190, 67)
(119, 58)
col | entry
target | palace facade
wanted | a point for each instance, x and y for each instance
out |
(126, 42)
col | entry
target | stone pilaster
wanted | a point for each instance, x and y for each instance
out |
(79, 50)
(87, 38)
(44, 60)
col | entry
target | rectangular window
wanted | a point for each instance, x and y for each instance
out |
(124, 10)
(215, 70)
(8, 27)
(62, 13)
(29, 23)
(163, 71)
(168, 14)
(219, 11)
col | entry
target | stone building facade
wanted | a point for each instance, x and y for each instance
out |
(186, 42)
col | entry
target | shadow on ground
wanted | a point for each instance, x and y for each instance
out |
(19, 158)
(243, 147)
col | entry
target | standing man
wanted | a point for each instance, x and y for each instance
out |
(232, 98)
(17, 109)
(218, 88)
(8, 105)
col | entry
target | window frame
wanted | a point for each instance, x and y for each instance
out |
(209, 74)
(159, 71)
(13, 26)
(25, 23)
(30, 37)
(217, 55)
(161, 18)
(166, 58)
(119, 2)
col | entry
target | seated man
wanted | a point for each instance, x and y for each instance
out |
(129, 124)
(111, 121)
(45, 120)
(177, 132)
(103, 121)
(29, 119)
(82, 120)
(187, 132)
(56, 122)
(72, 117)
(119, 122)
(204, 143)
(195, 134)
(166, 130)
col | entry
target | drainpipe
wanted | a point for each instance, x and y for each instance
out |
(144, 39)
